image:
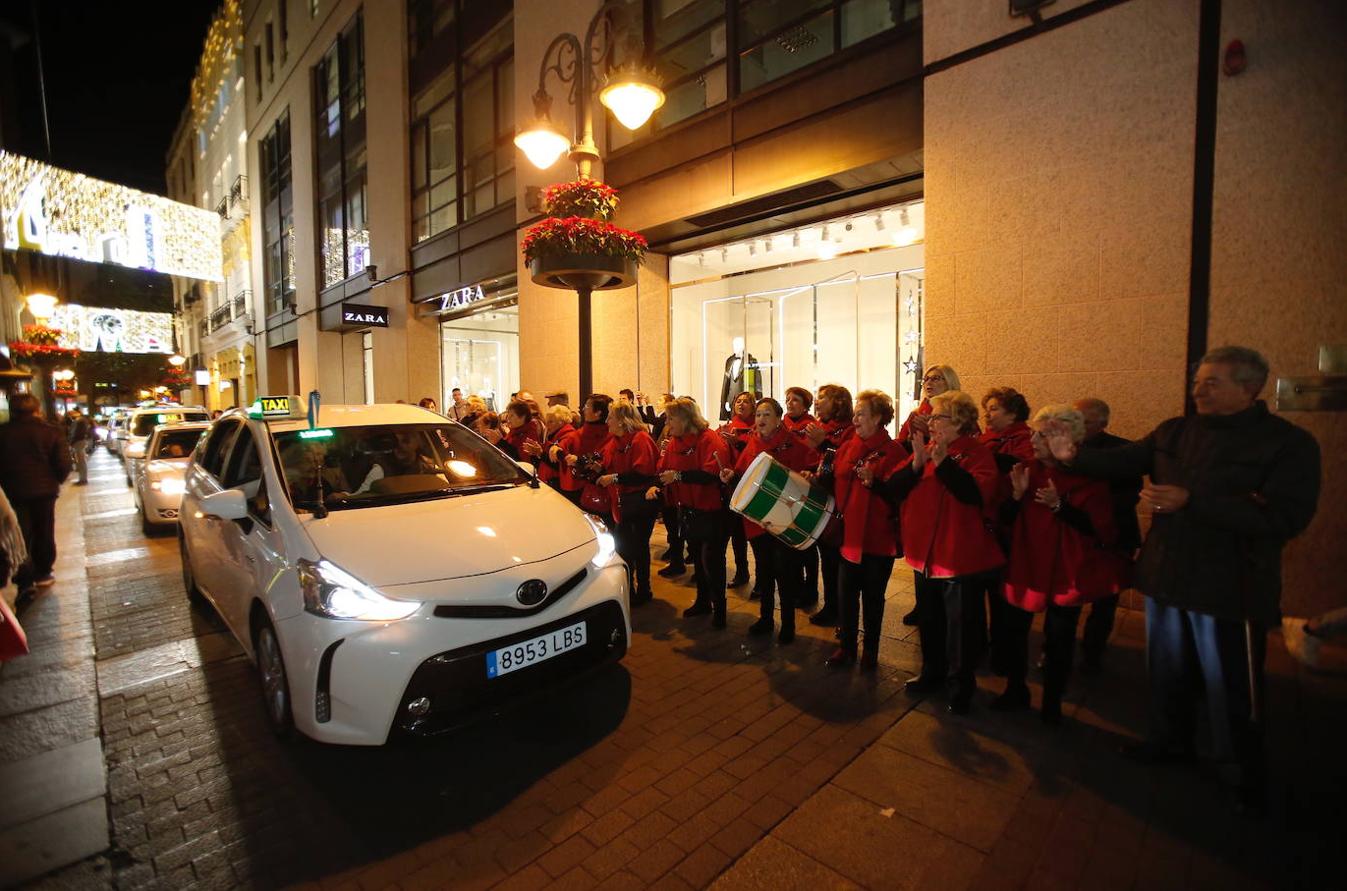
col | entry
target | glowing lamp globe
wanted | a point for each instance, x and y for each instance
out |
(177, 360)
(41, 305)
(542, 144)
(632, 95)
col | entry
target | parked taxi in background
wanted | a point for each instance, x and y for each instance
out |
(140, 423)
(158, 487)
(389, 571)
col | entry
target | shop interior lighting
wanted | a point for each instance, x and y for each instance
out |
(906, 233)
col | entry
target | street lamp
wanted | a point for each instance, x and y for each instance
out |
(177, 360)
(41, 306)
(631, 91)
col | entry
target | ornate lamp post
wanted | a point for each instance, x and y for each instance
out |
(632, 92)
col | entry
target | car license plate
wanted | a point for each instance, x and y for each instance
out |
(531, 652)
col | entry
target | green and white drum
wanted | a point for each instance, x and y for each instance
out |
(782, 502)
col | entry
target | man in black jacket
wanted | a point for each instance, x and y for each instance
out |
(34, 461)
(1228, 488)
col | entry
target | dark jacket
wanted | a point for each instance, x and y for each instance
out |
(1126, 492)
(34, 458)
(1253, 483)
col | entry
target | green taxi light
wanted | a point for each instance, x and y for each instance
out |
(315, 434)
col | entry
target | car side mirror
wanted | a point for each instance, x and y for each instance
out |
(531, 471)
(227, 505)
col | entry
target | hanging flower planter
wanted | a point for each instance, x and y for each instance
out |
(41, 344)
(576, 247)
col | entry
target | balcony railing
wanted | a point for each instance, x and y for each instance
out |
(223, 208)
(238, 194)
(242, 300)
(219, 318)
(232, 311)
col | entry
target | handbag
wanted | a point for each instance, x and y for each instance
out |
(13, 642)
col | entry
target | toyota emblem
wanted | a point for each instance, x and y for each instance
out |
(532, 592)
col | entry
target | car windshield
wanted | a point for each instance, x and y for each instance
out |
(389, 464)
(146, 423)
(176, 443)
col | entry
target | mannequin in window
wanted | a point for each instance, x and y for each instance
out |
(741, 375)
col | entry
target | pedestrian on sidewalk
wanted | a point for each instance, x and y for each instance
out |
(1229, 487)
(34, 461)
(81, 443)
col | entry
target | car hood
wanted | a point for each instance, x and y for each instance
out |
(162, 467)
(449, 538)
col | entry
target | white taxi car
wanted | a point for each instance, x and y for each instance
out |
(134, 435)
(158, 487)
(390, 572)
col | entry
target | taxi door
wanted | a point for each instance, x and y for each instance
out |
(251, 546)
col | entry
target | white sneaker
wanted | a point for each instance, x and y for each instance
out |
(1303, 646)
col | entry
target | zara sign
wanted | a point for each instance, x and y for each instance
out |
(462, 297)
(360, 315)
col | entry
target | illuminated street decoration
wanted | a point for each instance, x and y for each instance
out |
(58, 212)
(101, 329)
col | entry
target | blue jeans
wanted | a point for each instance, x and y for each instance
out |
(1184, 647)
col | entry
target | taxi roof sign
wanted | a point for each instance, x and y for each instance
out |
(278, 407)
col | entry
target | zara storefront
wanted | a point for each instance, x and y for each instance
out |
(479, 340)
(834, 302)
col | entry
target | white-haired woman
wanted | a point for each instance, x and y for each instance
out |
(689, 471)
(1061, 556)
(556, 425)
(937, 379)
(629, 461)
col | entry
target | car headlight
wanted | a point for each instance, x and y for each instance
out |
(135, 450)
(604, 538)
(333, 593)
(170, 486)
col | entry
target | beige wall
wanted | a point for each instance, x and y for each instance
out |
(1059, 213)
(1058, 196)
(1279, 224)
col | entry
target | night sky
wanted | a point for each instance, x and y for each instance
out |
(117, 78)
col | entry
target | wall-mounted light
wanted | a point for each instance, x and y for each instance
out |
(827, 248)
(906, 233)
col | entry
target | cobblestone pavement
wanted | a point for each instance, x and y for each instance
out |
(704, 757)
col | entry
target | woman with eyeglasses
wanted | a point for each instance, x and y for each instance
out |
(1062, 533)
(938, 379)
(947, 486)
(689, 471)
(834, 427)
(736, 432)
(869, 528)
(797, 421)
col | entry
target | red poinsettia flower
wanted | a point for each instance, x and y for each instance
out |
(580, 235)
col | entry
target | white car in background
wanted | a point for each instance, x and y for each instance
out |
(390, 572)
(158, 488)
(135, 433)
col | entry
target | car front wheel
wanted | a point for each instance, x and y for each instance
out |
(275, 683)
(188, 580)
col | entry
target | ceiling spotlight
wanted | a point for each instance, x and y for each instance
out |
(879, 222)
(827, 248)
(752, 248)
(724, 255)
(906, 233)
(795, 239)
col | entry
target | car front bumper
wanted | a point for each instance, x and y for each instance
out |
(160, 509)
(351, 682)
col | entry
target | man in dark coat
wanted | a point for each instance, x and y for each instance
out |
(1228, 488)
(81, 433)
(34, 461)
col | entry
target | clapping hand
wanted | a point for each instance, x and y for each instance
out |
(939, 450)
(816, 434)
(916, 423)
(865, 474)
(571, 460)
(607, 480)
(668, 476)
(1046, 496)
(532, 447)
(918, 450)
(1019, 480)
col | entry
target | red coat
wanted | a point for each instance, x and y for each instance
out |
(532, 429)
(838, 433)
(630, 453)
(590, 438)
(736, 433)
(798, 425)
(869, 525)
(547, 471)
(1013, 441)
(1054, 562)
(705, 451)
(905, 431)
(942, 536)
(784, 447)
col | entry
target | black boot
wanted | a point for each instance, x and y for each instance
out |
(698, 608)
(910, 619)
(761, 627)
(826, 617)
(673, 570)
(1015, 697)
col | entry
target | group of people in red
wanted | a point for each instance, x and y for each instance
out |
(992, 526)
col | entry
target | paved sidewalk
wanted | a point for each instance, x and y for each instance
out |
(53, 783)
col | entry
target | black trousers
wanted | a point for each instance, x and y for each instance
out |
(673, 531)
(830, 569)
(706, 544)
(37, 522)
(1059, 645)
(779, 569)
(1098, 626)
(861, 596)
(809, 590)
(951, 625)
(633, 544)
(739, 542)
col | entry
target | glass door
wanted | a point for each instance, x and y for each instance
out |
(480, 355)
